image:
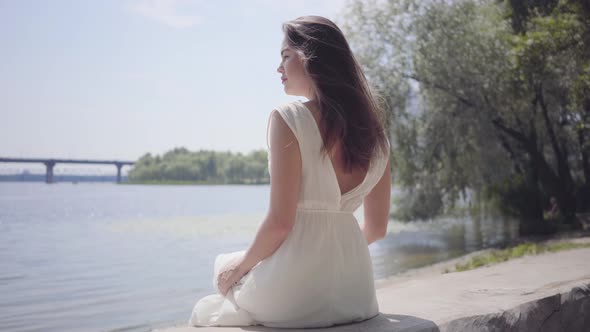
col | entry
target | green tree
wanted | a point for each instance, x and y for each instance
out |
(203, 166)
(483, 96)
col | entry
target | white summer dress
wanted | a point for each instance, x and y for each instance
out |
(321, 274)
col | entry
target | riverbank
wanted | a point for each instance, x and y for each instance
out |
(542, 292)
(450, 265)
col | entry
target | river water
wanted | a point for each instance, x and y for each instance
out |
(107, 257)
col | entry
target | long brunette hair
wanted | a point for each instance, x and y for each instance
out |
(349, 110)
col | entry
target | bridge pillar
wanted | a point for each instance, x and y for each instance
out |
(118, 172)
(49, 171)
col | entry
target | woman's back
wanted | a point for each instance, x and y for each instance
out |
(320, 185)
(346, 180)
(321, 274)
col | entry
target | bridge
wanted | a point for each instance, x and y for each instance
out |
(50, 163)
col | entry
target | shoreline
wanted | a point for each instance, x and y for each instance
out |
(440, 267)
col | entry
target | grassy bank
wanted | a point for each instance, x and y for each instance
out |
(502, 255)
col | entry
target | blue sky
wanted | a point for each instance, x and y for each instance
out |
(117, 79)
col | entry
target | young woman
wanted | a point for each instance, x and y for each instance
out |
(309, 264)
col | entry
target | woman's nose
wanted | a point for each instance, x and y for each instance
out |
(280, 69)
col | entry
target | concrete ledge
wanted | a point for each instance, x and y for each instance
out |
(549, 292)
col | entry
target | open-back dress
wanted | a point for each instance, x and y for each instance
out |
(321, 275)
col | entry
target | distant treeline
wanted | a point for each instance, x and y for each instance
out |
(33, 177)
(204, 166)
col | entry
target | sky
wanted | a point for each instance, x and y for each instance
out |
(116, 79)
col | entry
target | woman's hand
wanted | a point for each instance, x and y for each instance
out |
(230, 275)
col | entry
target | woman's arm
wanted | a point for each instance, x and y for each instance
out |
(285, 167)
(285, 170)
(376, 208)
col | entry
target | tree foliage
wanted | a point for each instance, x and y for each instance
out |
(484, 96)
(203, 166)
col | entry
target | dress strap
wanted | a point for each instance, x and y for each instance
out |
(289, 114)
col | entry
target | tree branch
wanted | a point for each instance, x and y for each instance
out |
(441, 88)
